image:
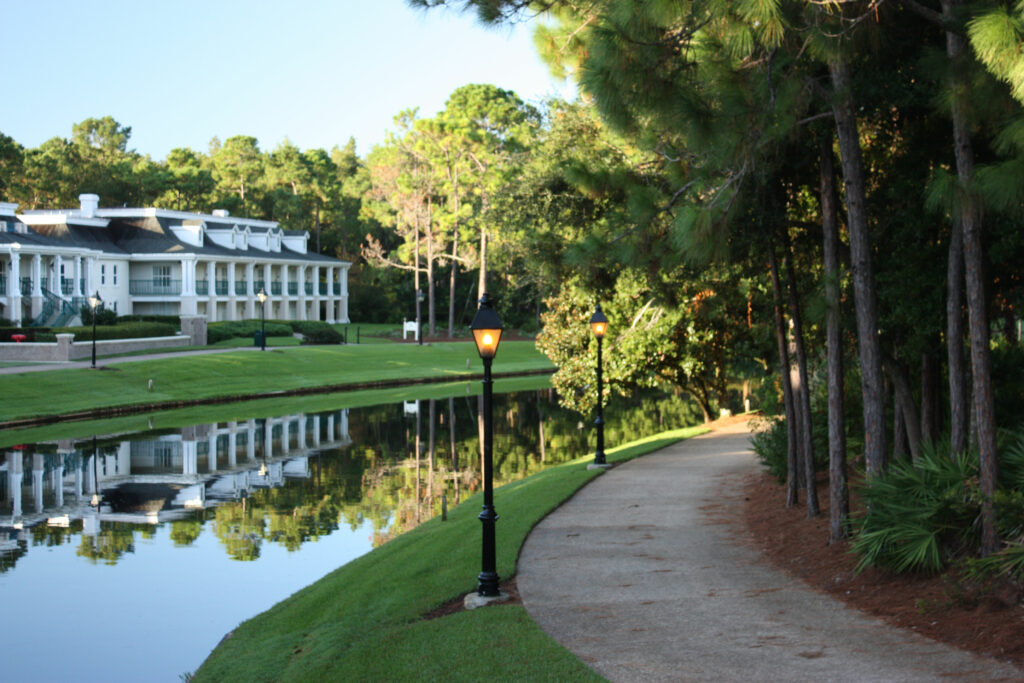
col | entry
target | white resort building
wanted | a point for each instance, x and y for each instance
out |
(153, 261)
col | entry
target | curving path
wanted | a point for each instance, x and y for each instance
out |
(639, 577)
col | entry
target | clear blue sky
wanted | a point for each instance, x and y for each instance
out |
(180, 72)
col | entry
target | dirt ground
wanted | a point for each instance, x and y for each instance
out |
(985, 619)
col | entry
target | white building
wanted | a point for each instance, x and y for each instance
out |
(158, 262)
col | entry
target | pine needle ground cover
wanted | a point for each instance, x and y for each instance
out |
(364, 621)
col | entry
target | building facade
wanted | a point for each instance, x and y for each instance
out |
(153, 261)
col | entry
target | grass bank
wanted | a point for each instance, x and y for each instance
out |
(246, 374)
(364, 620)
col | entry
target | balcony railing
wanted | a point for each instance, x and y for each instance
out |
(337, 288)
(323, 289)
(155, 287)
(309, 288)
(67, 285)
(26, 286)
(3, 285)
(275, 288)
(240, 287)
(202, 287)
(222, 287)
(258, 285)
(293, 288)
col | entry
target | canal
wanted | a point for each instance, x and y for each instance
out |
(128, 556)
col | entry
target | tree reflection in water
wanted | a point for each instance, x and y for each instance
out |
(397, 463)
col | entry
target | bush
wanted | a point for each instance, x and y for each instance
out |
(769, 441)
(32, 334)
(104, 316)
(125, 331)
(168, 319)
(314, 332)
(217, 332)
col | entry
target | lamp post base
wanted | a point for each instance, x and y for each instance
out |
(599, 466)
(474, 599)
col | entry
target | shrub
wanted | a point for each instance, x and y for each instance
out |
(319, 333)
(231, 329)
(104, 316)
(168, 319)
(32, 334)
(125, 331)
(769, 441)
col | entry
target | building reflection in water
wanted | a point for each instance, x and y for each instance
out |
(159, 479)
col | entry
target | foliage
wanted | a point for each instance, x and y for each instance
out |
(121, 331)
(167, 319)
(769, 442)
(317, 332)
(104, 316)
(219, 331)
(31, 333)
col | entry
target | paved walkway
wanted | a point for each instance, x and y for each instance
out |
(641, 576)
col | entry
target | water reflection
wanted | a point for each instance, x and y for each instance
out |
(290, 479)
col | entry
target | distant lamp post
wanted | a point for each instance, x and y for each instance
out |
(486, 327)
(94, 302)
(419, 325)
(599, 324)
(262, 296)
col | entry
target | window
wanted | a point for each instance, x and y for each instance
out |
(115, 273)
(103, 274)
(162, 276)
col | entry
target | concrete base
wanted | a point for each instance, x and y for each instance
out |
(595, 466)
(474, 600)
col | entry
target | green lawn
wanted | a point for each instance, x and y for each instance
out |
(363, 622)
(247, 374)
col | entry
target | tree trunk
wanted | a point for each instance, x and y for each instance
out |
(899, 431)
(792, 478)
(839, 492)
(803, 397)
(898, 375)
(455, 253)
(482, 282)
(431, 293)
(869, 345)
(981, 363)
(958, 415)
(929, 398)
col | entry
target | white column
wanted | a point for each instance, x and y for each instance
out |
(14, 288)
(90, 276)
(250, 301)
(14, 475)
(232, 296)
(250, 443)
(268, 440)
(343, 426)
(211, 280)
(316, 430)
(330, 427)
(285, 435)
(76, 286)
(316, 292)
(55, 281)
(57, 480)
(330, 295)
(302, 432)
(189, 456)
(124, 458)
(270, 289)
(37, 275)
(232, 444)
(211, 452)
(38, 468)
(184, 278)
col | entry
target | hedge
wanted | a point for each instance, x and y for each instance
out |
(124, 331)
(217, 332)
(31, 333)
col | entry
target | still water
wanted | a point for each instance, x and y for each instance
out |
(127, 557)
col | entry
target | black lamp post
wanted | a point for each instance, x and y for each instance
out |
(94, 303)
(486, 327)
(599, 324)
(262, 296)
(96, 477)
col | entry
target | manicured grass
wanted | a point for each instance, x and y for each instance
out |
(245, 410)
(248, 373)
(363, 622)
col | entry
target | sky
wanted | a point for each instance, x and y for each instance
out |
(316, 72)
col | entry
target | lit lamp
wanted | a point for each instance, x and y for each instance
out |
(486, 327)
(94, 303)
(599, 324)
(262, 296)
(96, 474)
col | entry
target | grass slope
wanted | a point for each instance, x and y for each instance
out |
(247, 373)
(363, 621)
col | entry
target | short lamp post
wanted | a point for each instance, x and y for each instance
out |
(486, 327)
(262, 296)
(94, 303)
(599, 324)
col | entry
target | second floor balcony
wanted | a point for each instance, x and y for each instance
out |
(157, 287)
